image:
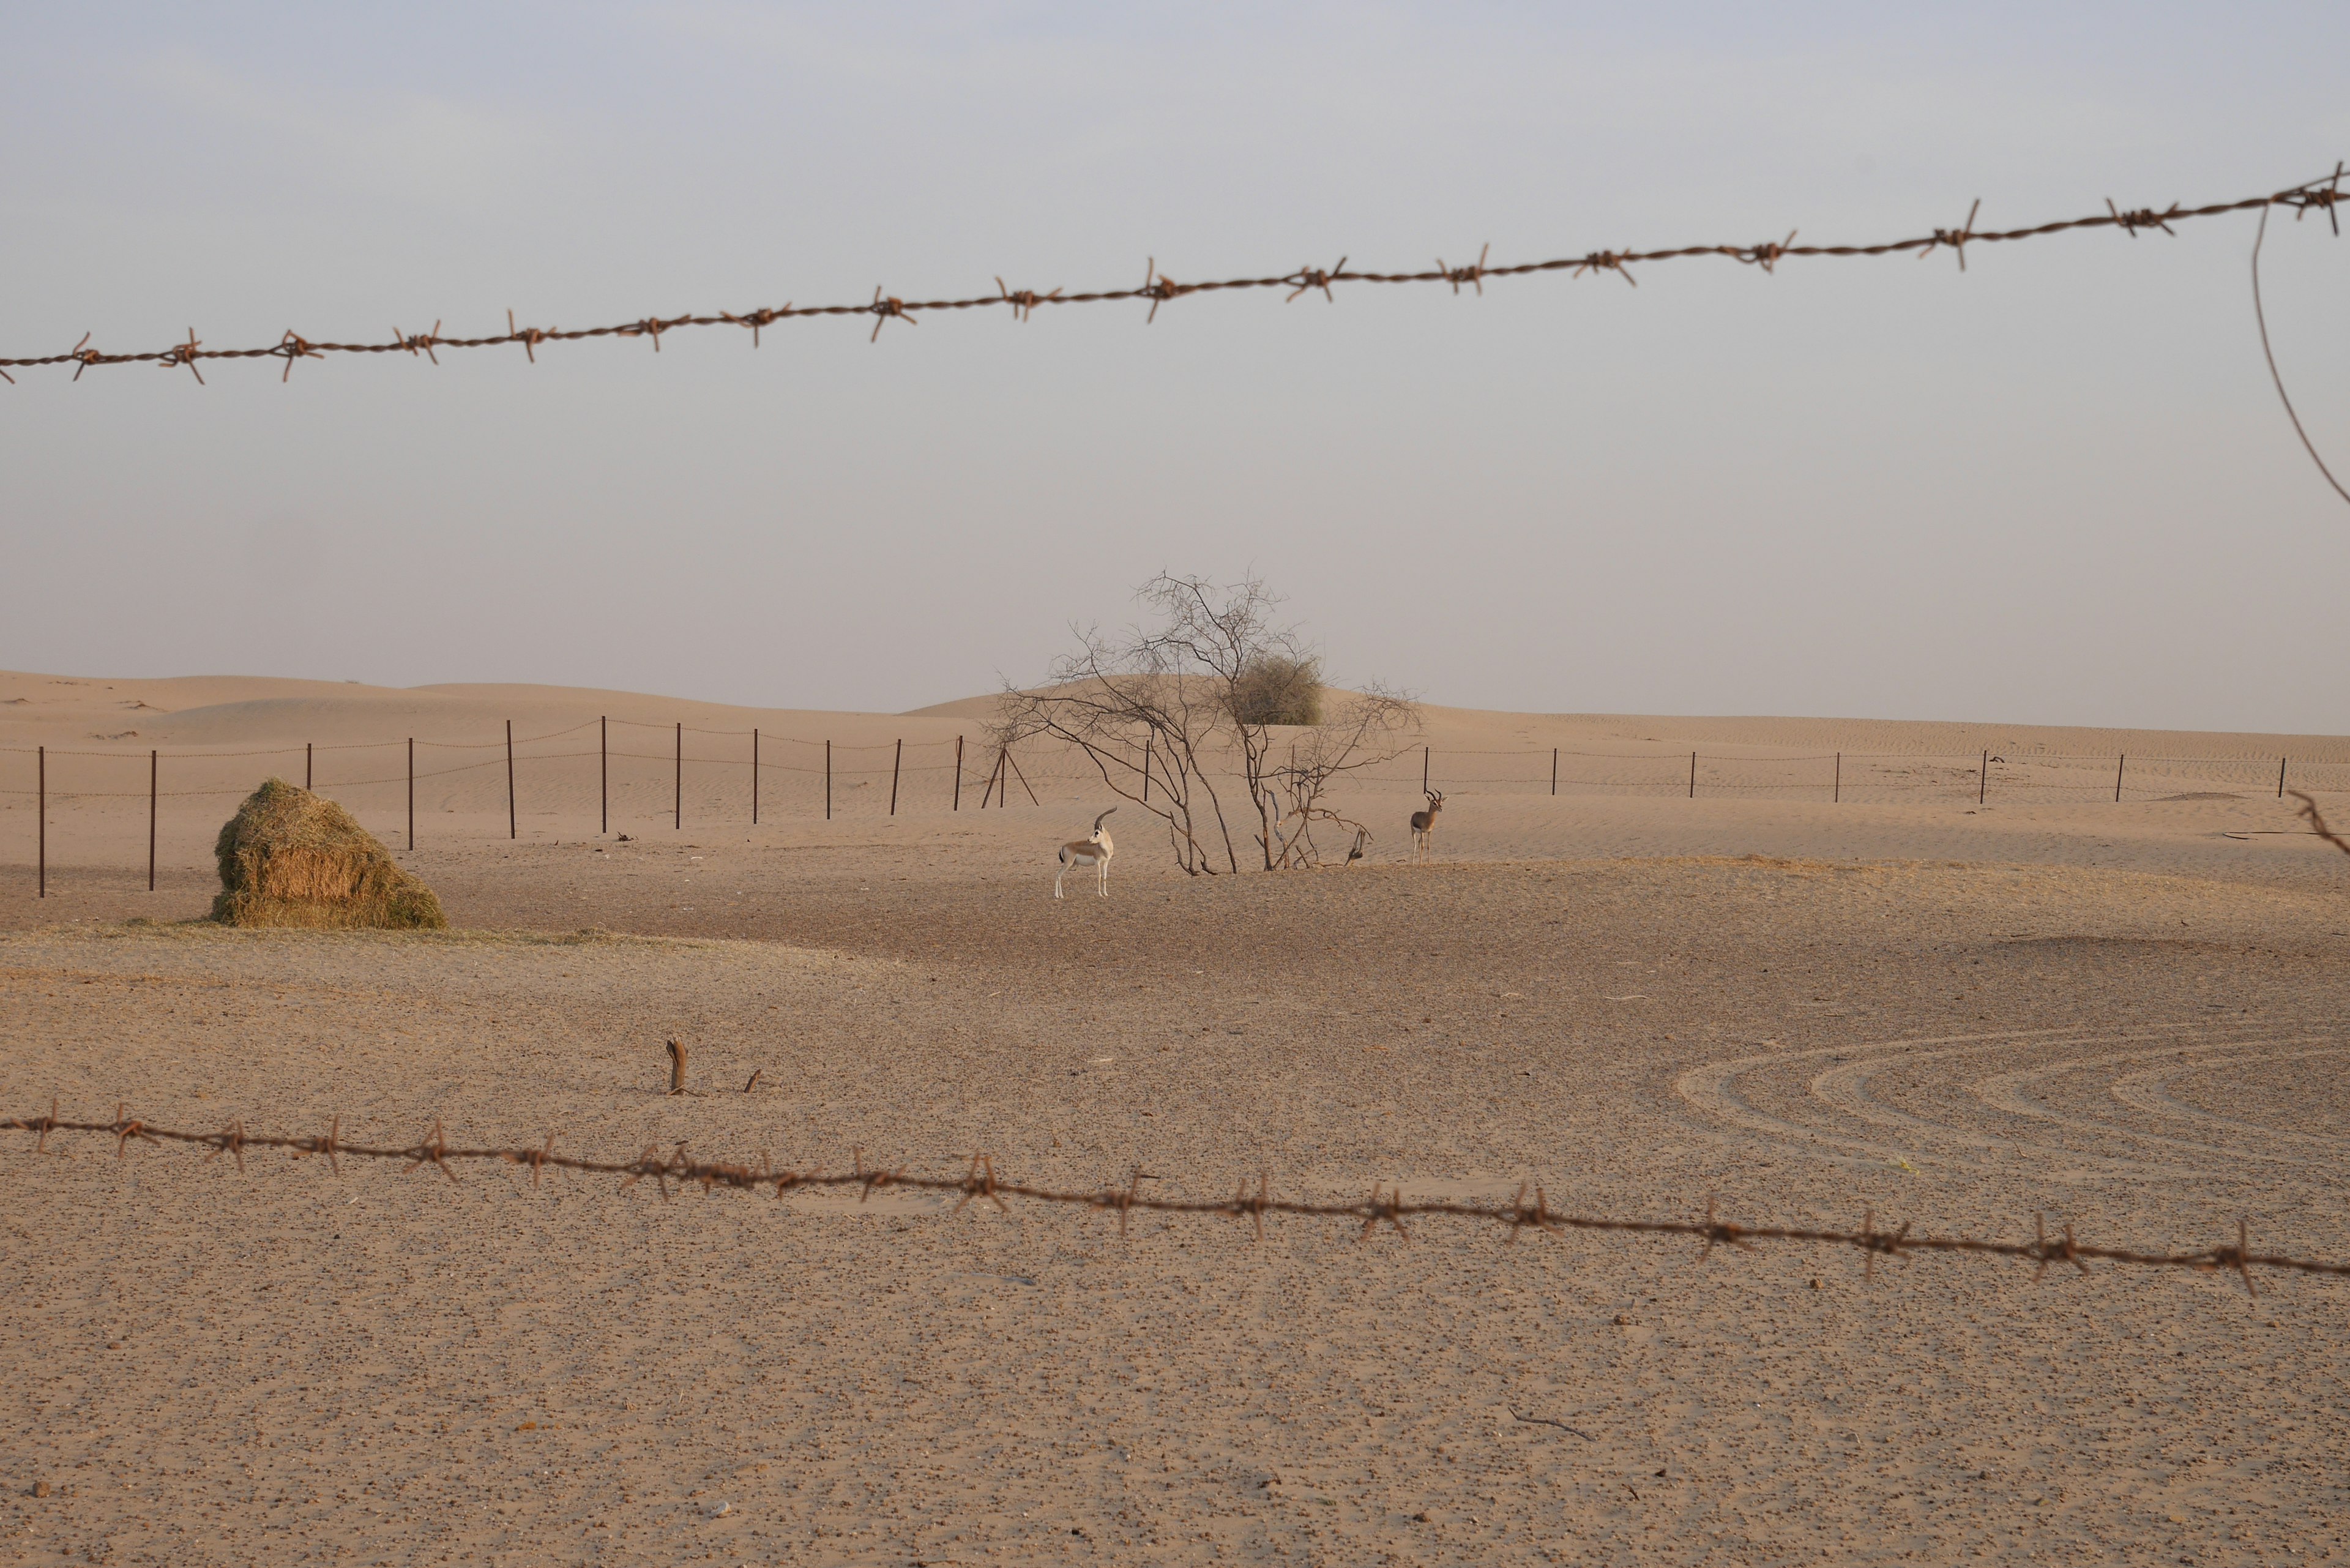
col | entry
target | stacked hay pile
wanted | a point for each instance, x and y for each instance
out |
(289, 858)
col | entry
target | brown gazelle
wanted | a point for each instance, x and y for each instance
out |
(1094, 850)
(1423, 825)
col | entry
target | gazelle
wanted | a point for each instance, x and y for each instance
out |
(1423, 825)
(1094, 850)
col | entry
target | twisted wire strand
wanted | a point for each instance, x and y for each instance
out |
(1156, 288)
(1529, 1208)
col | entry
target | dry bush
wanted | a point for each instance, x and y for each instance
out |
(1278, 688)
(289, 858)
(1215, 685)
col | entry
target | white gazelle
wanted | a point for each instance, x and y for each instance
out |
(1094, 850)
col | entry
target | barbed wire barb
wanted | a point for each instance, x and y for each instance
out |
(529, 336)
(1473, 274)
(1767, 255)
(884, 307)
(1310, 278)
(185, 354)
(1023, 302)
(420, 343)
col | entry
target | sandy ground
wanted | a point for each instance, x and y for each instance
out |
(2124, 1018)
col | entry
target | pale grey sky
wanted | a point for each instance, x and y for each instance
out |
(2056, 489)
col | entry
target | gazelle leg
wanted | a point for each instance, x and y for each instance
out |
(1056, 880)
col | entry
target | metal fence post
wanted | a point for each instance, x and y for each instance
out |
(1692, 776)
(2280, 778)
(1982, 780)
(152, 768)
(42, 790)
(1553, 770)
(958, 798)
(603, 774)
(828, 781)
(2119, 766)
(895, 761)
(411, 793)
(305, 762)
(754, 775)
(1838, 793)
(510, 789)
(677, 800)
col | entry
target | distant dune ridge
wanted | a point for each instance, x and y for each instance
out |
(218, 710)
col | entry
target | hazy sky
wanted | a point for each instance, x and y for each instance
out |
(2057, 488)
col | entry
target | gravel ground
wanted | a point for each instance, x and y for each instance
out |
(208, 1366)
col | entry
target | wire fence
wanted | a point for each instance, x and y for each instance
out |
(1528, 1209)
(1156, 288)
(705, 777)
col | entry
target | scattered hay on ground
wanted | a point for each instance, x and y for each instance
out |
(289, 858)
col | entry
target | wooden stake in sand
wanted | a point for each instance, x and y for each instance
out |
(676, 1068)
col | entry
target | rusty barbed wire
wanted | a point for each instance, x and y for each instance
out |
(1387, 1206)
(2309, 814)
(2323, 194)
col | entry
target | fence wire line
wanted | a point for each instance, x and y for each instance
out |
(1157, 288)
(1529, 1208)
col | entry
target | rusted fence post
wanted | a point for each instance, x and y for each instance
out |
(828, 781)
(411, 793)
(306, 759)
(41, 789)
(677, 800)
(1553, 770)
(1692, 776)
(1022, 777)
(153, 770)
(1982, 780)
(896, 761)
(754, 775)
(510, 789)
(603, 774)
(2280, 778)
(1838, 792)
(1423, 769)
(958, 798)
(2117, 777)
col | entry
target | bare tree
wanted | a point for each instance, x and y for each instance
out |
(1213, 678)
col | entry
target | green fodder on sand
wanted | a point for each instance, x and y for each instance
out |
(289, 858)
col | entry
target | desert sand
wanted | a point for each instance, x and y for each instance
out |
(2125, 1017)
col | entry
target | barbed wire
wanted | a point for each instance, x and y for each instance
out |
(2309, 814)
(2322, 194)
(1529, 1208)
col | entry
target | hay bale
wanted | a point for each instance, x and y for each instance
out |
(289, 858)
